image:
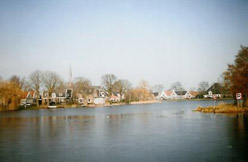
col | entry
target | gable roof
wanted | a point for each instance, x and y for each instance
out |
(180, 93)
(113, 96)
(193, 93)
(32, 93)
(168, 92)
(24, 95)
(155, 94)
(215, 88)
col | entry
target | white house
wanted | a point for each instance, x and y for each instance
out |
(165, 95)
(188, 95)
(211, 95)
(173, 94)
(99, 101)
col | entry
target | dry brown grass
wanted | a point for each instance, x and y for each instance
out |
(222, 108)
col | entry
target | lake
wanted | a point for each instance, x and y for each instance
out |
(167, 131)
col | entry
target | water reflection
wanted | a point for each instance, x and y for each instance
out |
(155, 132)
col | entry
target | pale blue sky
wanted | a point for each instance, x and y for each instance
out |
(159, 41)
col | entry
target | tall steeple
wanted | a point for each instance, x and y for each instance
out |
(70, 78)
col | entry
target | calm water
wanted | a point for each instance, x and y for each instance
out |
(154, 132)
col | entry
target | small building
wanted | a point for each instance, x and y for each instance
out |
(173, 94)
(99, 101)
(189, 95)
(89, 100)
(27, 98)
(178, 94)
(193, 94)
(215, 90)
(60, 97)
(156, 95)
(115, 97)
(164, 95)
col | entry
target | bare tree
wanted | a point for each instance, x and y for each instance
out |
(177, 86)
(82, 85)
(203, 86)
(122, 86)
(20, 82)
(143, 90)
(158, 88)
(16, 80)
(35, 81)
(51, 81)
(108, 81)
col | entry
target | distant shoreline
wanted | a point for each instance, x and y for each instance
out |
(114, 104)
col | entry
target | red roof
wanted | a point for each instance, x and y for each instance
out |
(168, 93)
(193, 93)
(24, 95)
(113, 96)
(31, 93)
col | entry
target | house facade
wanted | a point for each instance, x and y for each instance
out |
(173, 94)
(116, 97)
(164, 95)
(216, 90)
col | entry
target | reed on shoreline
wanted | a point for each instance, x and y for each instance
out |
(222, 108)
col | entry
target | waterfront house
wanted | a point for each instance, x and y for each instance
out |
(215, 90)
(39, 97)
(99, 101)
(79, 98)
(189, 95)
(165, 94)
(178, 94)
(100, 95)
(116, 97)
(60, 97)
(99, 92)
(27, 98)
(44, 97)
(156, 95)
(90, 99)
(53, 97)
(193, 94)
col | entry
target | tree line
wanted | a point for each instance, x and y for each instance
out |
(12, 90)
(235, 80)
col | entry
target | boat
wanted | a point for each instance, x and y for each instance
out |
(52, 105)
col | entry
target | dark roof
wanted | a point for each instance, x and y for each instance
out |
(215, 88)
(115, 93)
(180, 92)
(155, 94)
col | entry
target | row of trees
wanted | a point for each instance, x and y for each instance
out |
(50, 81)
(12, 90)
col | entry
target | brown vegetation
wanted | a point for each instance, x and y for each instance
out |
(10, 95)
(236, 78)
(222, 108)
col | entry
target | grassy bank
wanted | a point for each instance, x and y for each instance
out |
(222, 108)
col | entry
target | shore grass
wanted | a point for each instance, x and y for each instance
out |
(222, 108)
